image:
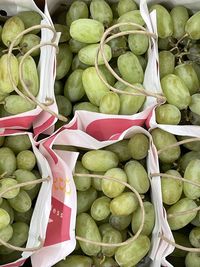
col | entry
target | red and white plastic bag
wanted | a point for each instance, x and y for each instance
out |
(58, 159)
(46, 68)
(40, 216)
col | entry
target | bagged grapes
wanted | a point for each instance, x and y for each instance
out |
(178, 53)
(109, 67)
(115, 204)
(25, 202)
(27, 58)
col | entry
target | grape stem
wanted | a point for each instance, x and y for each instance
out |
(31, 98)
(177, 245)
(172, 215)
(38, 181)
(130, 240)
(188, 140)
(141, 30)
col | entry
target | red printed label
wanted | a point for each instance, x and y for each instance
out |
(59, 223)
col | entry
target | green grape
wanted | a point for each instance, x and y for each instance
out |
(3, 112)
(77, 10)
(19, 237)
(192, 173)
(73, 89)
(29, 41)
(95, 89)
(107, 262)
(5, 83)
(16, 104)
(64, 105)
(186, 158)
(194, 118)
(131, 104)
(12, 27)
(179, 15)
(195, 145)
(77, 64)
(133, 16)
(138, 43)
(23, 216)
(194, 237)
(21, 202)
(6, 233)
(88, 54)
(130, 68)
(85, 199)
(76, 46)
(7, 160)
(137, 176)
(3, 96)
(194, 105)
(196, 68)
(58, 88)
(99, 160)
(132, 253)
(6, 183)
(64, 61)
(166, 63)
(168, 114)
(26, 160)
(196, 221)
(109, 77)
(87, 30)
(149, 219)
(75, 260)
(176, 91)
(23, 176)
(118, 46)
(183, 240)
(143, 62)
(119, 85)
(85, 106)
(138, 146)
(110, 103)
(181, 221)
(30, 18)
(5, 205)
(2, 138)
(112, 236)
(82, 183)
(121, 150)
(120, 222)
(4, 218)
(171, 188)
(163, 43)
(100, 208)
(104, 228)
(64, 30)
(101, 11)
(192, 259)
(124, 204)
(34, 191)
(192, 26)
(188, 75)
(111, 188)
(18, 143)
(87, 228)
(164, 21)
(97, 182)
(125, 6)
(162, 140)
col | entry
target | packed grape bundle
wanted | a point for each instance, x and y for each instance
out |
(115, 215)
(19, 186)
(178, 43)
(179, 171)
(102, 57)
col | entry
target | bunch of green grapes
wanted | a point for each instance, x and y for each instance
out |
(17, 165)
(12, 103)
(109, 212)
(179, 65)
(78, 86)
(179, 195)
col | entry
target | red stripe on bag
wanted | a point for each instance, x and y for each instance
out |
(18, 122)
